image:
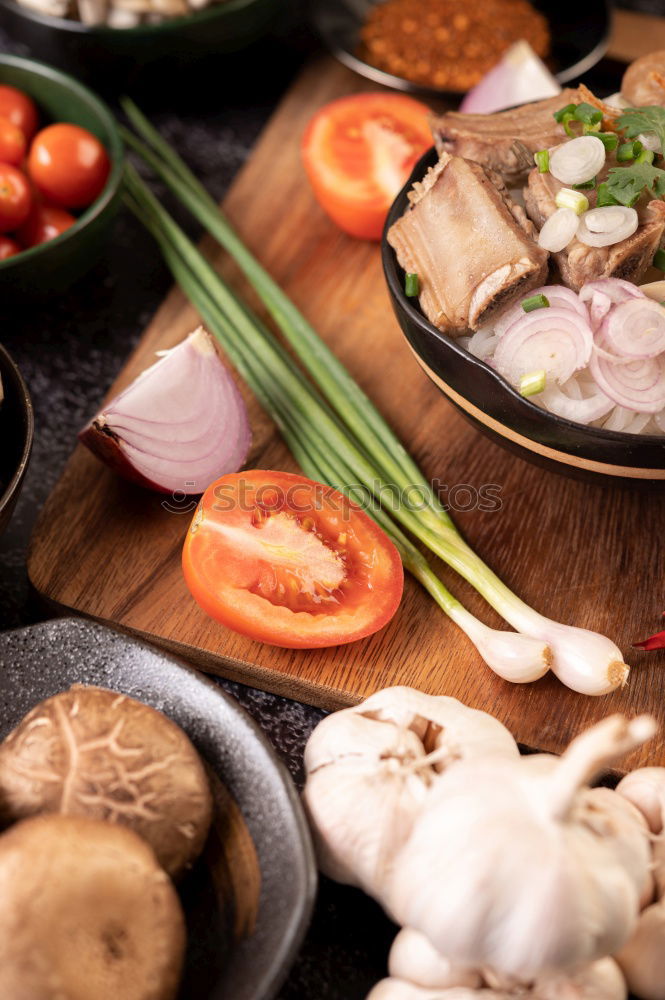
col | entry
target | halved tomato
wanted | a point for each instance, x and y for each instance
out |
(358, 152)
(290, 562)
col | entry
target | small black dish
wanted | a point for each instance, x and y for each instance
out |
(17, 429)
(497, 409)
(580, 36)
(260, 818)
(115, 59)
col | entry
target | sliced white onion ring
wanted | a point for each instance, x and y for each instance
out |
(556, 341)
(582, 411)
(578, 161)
(602, 227)
(638, 385)
(650, 141)
(558, 296)
(600, 295)
(559, 230)
(636, 329)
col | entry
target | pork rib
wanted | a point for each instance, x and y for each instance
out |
(471, 247)
(506, 140)
(579, 263)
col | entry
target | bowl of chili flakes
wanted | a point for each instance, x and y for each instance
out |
(440, 48)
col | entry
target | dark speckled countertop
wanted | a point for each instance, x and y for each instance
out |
(70, 350)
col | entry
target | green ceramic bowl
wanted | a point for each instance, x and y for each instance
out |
(53, 266)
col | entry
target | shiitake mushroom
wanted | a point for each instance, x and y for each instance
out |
(87, 912)
(93, 752)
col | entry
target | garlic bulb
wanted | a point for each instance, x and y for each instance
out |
(400, 989)
(642, 959)
(369, 769)
(362, 803)
(645, 788)
(507, 868)
(413, 958)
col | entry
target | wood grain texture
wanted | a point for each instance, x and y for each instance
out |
(583, 554)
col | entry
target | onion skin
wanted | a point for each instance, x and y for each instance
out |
(107, 447)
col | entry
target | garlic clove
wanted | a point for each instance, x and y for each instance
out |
(443, 723)
(645, 788)
(360, 813)
(601, 980)
(414, 959)
(349, 734)
(642, 959)
(399, 989)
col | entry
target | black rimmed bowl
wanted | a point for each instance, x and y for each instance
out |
(17, 428)
(248, 900)
(53, 266)
(580, 37)
(498, 410)
(114, 59)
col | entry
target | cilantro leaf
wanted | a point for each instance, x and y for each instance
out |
(635, 121)
(626, 184)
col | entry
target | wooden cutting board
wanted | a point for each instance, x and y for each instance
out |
(584, 554)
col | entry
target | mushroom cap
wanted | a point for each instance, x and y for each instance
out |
(87, 911)
(93, 752)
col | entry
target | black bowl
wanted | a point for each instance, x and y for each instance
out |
(53, 266)
(580, 36)
(497, 409)
(113, 59)
(17, 428)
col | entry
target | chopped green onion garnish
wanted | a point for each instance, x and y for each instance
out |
(610, 140)
(565, 121)
(411, 285)
(604, 196)
(533, 383)
(646, 156)
(659, 260)
(542, 158)
(587, 186)
(591, 129)
(587, 113)
(567, 198)
(535, 302)
(628, 151)
(568, 110)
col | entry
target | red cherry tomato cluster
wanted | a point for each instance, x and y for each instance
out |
(44, 175)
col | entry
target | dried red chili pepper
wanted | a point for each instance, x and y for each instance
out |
(656, 641)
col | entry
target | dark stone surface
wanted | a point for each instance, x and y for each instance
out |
(70, 350)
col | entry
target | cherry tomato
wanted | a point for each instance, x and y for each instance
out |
(290, 562)
(68, 165)
(12, 143)
(8, 247)
(20, 109)
(15, 198)
(44, 223)
(358, 152)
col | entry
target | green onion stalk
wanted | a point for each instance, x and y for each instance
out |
(349, 423)
(273, 377)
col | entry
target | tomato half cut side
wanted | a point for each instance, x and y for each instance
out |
(290, 562)
(358, 152)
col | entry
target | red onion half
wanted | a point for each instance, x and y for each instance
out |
(180, 425)
(638, 385)
(557, 341)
